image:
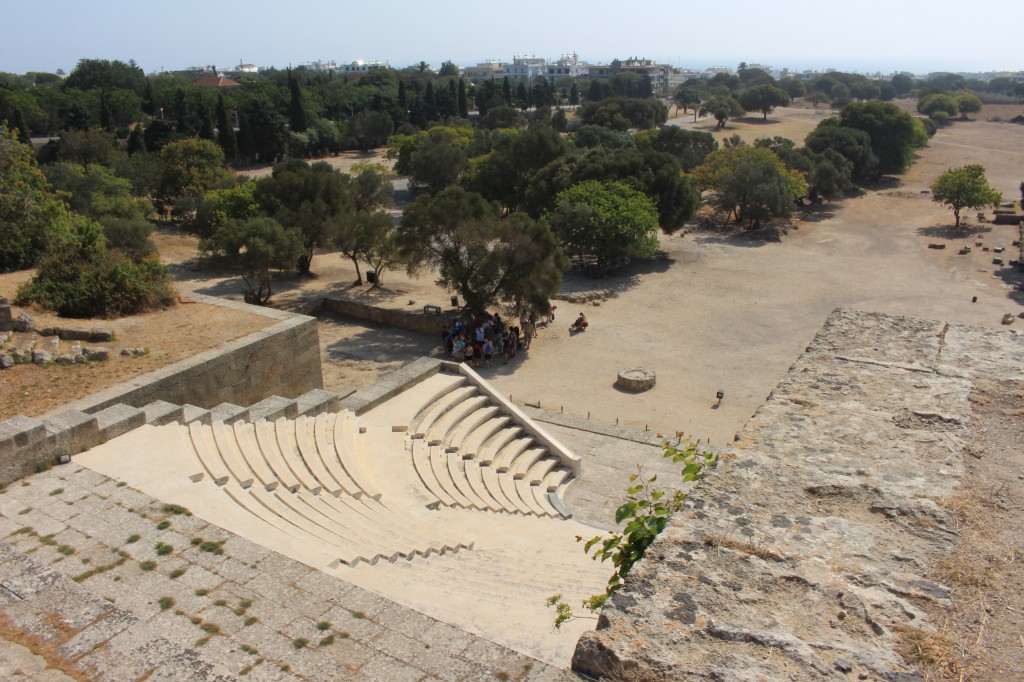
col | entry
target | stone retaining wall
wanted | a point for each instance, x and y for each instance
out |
(808, 549)
(283, 360)
(416, 321)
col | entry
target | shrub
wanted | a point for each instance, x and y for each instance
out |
(130, 236)
(109, 285)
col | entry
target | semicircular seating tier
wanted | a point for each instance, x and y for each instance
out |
(470, 451)
(445, 478)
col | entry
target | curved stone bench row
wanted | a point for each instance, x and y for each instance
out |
(457, 482)
(468, 454)
(302, 478)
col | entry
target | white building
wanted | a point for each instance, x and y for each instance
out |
(360, 66)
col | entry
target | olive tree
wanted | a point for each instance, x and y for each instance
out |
(964, 187)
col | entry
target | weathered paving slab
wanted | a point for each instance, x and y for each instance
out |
(807, 548)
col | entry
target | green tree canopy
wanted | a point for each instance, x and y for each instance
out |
(479, 254)
(750, 183)
(255, 247)
(191, 167)
(932, 105)
(32, 217)
(967, 103)
(606, 220)
(688, 146)
(95, 192)
(854, 145)
(763, 98)
(311, 199)
(894, 136)
(624, 113)
(722, 107)
(964, 187)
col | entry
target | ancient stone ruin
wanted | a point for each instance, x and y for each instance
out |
(415, 529)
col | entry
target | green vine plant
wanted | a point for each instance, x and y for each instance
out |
(645, 513)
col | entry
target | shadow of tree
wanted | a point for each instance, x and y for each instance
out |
(816, 213)
(1014, 279)
(756, 121)
(618, 279)
(952, 232)
(376, 342)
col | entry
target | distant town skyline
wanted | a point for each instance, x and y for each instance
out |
(871, 36)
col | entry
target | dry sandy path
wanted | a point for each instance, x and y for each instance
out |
(734, 315)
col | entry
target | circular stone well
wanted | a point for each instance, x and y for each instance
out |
(636, 379)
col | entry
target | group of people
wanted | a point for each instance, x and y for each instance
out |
(479, 340)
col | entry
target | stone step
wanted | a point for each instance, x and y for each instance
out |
(441, 386)
(495, 443)
(457, 472)
(245, 440)
(118, 419)
(490, 479)
(285, 439)
(479, 435)
(194, 413)
(316, 401)
(423, 421)
(457, 437)
(540, 469)
(208, 460)
(291, 536)
(525, 461)
(555, 478)
(346, 443)
(439, 465)
(439, 431)
(301, 431)
(272, 407)
(505, 457)
(476, 482)
(223, 442)
(327, 453)
(160, 412)
(229, 413)
(421, 461)
(267, 442)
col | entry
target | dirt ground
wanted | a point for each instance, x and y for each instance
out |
(167, 336)
(980, 634)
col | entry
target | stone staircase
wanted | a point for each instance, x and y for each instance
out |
(470, 453)
(442, 497)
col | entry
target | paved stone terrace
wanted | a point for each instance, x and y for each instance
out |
(83, 582)
(809, 548)
(74, 585)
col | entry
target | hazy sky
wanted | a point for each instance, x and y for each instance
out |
(868, 35)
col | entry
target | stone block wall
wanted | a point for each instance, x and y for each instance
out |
(416, 321)
(283, 360)
(804, 554)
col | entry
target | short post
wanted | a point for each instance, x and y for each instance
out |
(720, 394)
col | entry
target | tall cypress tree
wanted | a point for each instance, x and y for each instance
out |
(148, 99)
(105, 121)
(452, 105)
(205, 123)
(136, 140)
(225, 131)
(506, 91)
(430, 103)
(297, 110)
(463, 102)
(574, 94)
(403, 101)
